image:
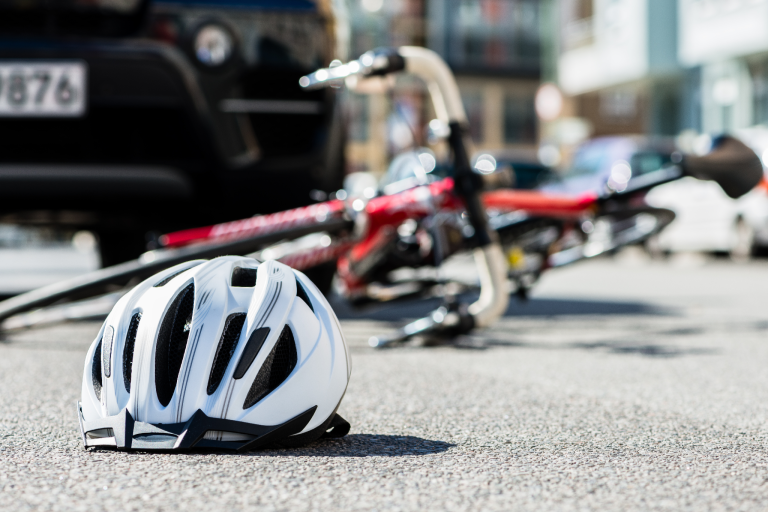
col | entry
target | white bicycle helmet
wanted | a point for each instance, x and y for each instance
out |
(228, 353)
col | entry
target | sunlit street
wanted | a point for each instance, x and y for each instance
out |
(624, 384)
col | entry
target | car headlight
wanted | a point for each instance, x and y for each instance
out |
(213, 45)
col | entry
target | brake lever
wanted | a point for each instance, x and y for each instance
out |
(379, 62)
(329, 77)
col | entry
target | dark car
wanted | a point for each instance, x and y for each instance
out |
(611, 162)
(130, 116)
(524, 168)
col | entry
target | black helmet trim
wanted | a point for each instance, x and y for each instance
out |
(124, 433)
(333, 428)
(251, 350)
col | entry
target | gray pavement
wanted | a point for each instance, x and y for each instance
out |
(622, 385)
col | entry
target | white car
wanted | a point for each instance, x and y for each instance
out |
(707, 220)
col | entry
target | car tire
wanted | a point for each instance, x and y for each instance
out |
(322, 276)
(120, 245)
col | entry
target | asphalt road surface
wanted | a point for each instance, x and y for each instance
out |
(622, 385)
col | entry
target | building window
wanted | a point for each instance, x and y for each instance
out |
(519, 120)
(759, 72)
(618, 105)
(473, 104)
(584, 9)
(577, 25)
(492, 34)
(358, 117)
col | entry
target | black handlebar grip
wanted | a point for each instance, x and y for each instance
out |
(731, 164)
(383, 61)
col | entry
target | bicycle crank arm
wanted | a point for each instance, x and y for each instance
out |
(637, 230)
(445, 321)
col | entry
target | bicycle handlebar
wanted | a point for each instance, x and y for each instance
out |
(417, 61)
(446, 100)
(379, 62)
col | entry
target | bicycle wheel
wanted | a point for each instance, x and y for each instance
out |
(610, 231)
(106, 279)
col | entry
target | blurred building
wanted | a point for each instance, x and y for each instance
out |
(663, 66)
(494, 48)
(617, 61)
(726, 46)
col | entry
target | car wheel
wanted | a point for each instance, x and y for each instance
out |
(322, 276)
(745, 241)
(119, 245)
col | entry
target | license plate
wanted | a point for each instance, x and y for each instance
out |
(29, 89)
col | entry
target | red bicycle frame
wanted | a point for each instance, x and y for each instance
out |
(379, 220)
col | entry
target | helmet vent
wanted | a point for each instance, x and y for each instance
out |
(172, 343)
(226, 348)
(277, 367)
(302, 294)
(130, 343)
(96, 371)
(106, 350)
(169, 278)
(244, 277)
(101, 433)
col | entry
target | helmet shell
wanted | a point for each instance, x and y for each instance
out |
(231, 338)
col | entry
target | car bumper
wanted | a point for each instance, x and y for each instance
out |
(151, 130)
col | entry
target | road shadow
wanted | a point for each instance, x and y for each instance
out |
(571, 307)
(361, 445)
(352, 445)
(394, 312)
(398, 312)
(656, 350)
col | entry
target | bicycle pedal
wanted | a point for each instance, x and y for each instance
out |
(383, 342)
